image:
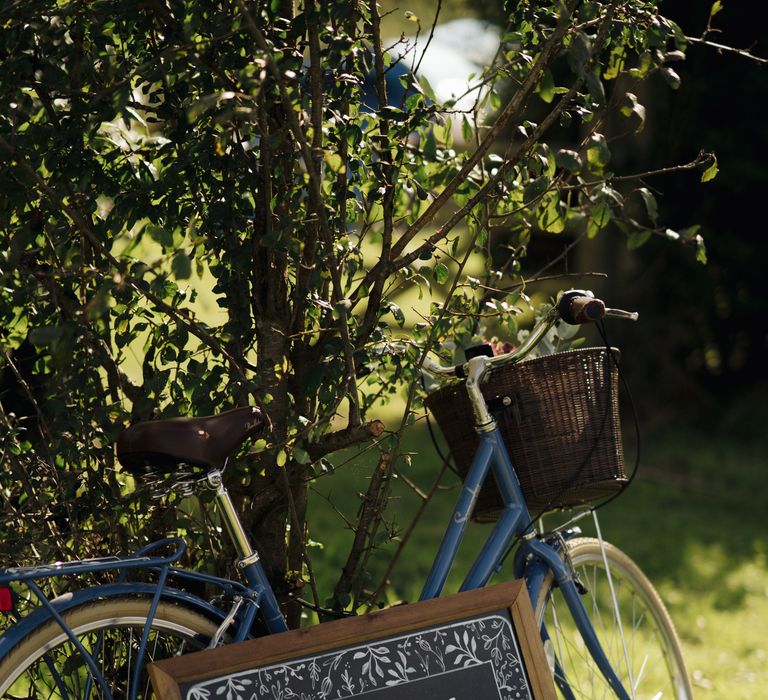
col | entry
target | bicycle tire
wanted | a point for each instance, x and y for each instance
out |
(646, 642)
(25, 672)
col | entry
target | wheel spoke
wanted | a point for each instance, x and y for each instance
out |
(631, 623)
(46, 665)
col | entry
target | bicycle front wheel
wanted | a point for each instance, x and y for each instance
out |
(46, 664)
(636, 632)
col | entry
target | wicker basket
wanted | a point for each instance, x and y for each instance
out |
(559, 416)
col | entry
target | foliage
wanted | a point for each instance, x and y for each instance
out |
(154, 149)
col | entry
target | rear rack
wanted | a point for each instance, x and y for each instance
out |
(137, 560)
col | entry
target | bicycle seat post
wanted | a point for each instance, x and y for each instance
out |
(245, 552)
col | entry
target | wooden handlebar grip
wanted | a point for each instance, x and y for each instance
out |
(587, 309)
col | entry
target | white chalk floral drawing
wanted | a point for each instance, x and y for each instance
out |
(388, 663)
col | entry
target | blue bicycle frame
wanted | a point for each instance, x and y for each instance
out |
(534, 558)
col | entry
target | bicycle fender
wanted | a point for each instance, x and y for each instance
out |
(65, 602)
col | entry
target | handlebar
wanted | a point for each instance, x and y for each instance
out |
(577, 307)
(574, 307)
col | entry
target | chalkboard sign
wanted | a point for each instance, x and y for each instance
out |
(478, 644)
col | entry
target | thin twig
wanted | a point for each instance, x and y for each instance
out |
(533, 280)
(406, 536)
(701, 41)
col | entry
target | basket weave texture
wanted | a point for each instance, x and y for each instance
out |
(559, 417)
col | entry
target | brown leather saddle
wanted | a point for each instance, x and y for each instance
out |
(159, 446)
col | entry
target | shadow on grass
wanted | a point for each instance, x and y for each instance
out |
(695, 497)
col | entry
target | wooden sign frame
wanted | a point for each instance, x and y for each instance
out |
(419, 650)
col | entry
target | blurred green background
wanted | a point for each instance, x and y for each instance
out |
(695, 518)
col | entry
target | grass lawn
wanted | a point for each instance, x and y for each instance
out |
(694, 520)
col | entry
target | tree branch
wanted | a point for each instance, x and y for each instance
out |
(513, 109)
(345, 438)
(702, 41)
(370, 513)
(380, 271)
(406, 536)
(511, 158)
(704, 159)
(488, 188)
(318, 204)
(315, 189)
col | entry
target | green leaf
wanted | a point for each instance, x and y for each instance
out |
(546, 86)
(672, 78)
(598, 219)
(427, 88)
(441, 273)
(615, 62)
(650, 204)
(691, 233)
(466, 130)
(160, 234)
(569, 160)
(631, 106)
(598, 153)
(711, 172)
(534, 189)
(430, 146)
(282, 458)
(181, 266)
(644, 66)
(551, 162)
(552, 218)
(637, 239)
(701, 250)
(595, 87)
(716, 7)
(301, 456)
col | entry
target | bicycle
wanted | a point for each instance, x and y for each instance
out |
(97, 641)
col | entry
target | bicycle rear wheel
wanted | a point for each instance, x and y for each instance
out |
(640, 641)
(45, 664)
